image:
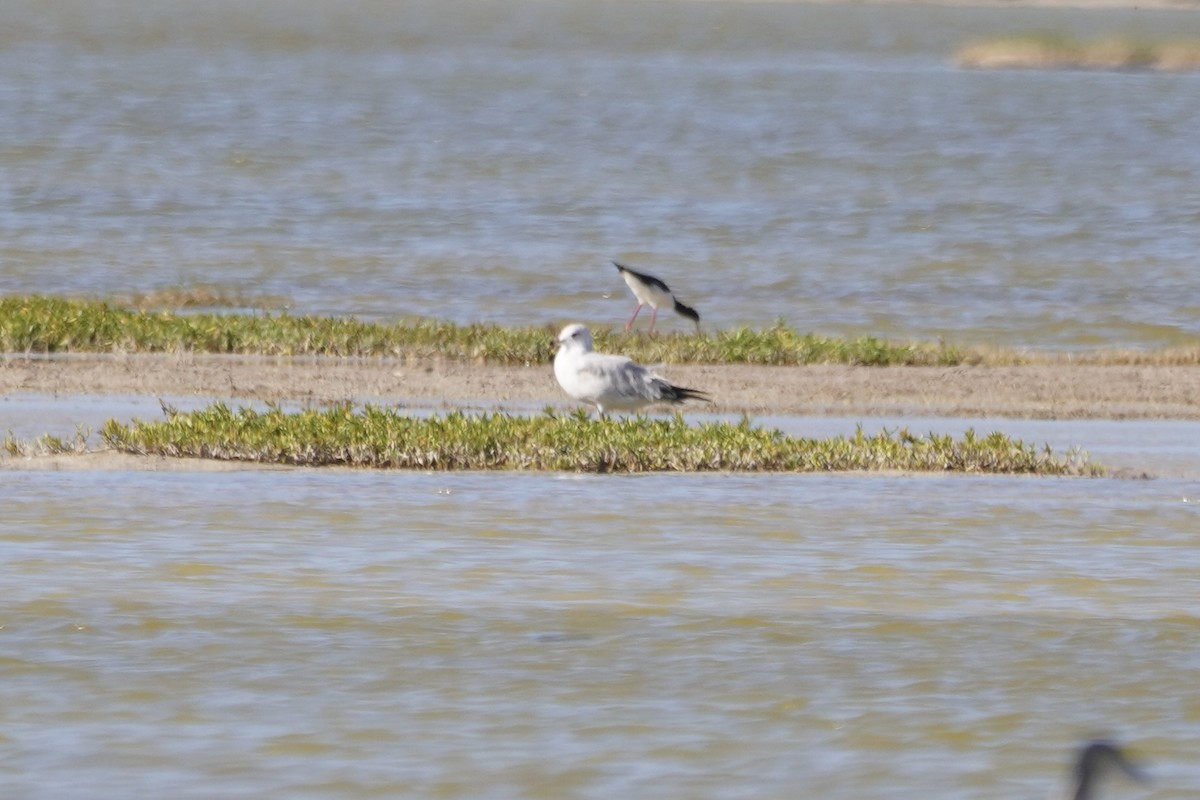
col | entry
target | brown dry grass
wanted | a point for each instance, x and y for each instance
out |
(1055, 51)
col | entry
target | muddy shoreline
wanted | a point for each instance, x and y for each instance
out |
(1048, 391)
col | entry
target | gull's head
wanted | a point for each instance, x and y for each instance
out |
(576, 337)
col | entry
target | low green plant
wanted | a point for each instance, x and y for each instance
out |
(47, 444)
(44, 324)
(385, 438)
(40, 324)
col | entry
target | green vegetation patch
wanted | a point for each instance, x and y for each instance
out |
(1048, 50)
(38, 324)
(41, 324)
(385, 438)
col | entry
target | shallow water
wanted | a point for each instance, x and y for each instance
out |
(826, 165)
(325, 634)
(350, 634)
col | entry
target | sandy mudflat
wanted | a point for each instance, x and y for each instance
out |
(1058, 391)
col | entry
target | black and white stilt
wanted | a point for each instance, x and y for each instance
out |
(650, 291)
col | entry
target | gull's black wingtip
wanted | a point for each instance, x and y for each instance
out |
(682, 393)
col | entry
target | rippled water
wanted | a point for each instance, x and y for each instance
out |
(332, 634)
(822, 164)
(320, 634)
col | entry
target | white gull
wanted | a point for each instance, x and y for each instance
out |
(610, 382)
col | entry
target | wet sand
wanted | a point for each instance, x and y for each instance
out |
(1052, 391)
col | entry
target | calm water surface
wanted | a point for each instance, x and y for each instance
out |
(824, 165)
(319, 634)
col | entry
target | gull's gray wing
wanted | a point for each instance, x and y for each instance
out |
(618, 380)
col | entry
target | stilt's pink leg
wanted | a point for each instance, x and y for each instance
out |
(629, 324)
(653, 317)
